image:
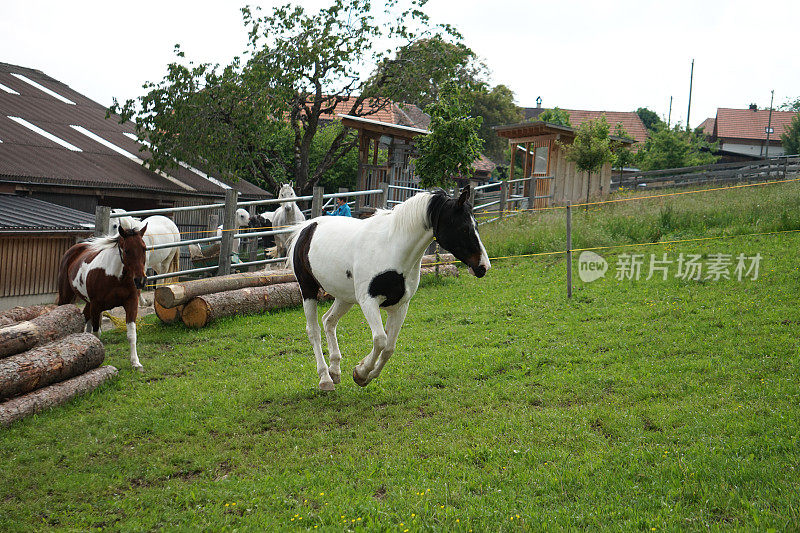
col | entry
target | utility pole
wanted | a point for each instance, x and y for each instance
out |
(669, 117)
(689, 111)
(769, 123)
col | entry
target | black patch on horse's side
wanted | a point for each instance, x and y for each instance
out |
(309, 286)
(391, 284)
(348, 274)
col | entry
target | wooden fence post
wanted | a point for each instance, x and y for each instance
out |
(472, 191)
(316, 201)
(532, 193)
(102, 220)
(383, 201)
(228, 229)
(569, 250)
(503, 198)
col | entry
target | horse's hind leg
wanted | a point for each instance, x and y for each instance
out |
(315, 336)
(329, 322)
(87, 315)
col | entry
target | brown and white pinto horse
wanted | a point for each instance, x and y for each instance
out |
(107, 272)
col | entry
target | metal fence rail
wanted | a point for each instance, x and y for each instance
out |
(230, 231)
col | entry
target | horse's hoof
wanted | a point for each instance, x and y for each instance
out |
(326, 386)
(335, 377)
(140, 368)
(361, 382)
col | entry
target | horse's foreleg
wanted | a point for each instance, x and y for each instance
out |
(394, 321)
(329, 322)
(131, 310)
(87, 315)
(315, 336)
(362, 373)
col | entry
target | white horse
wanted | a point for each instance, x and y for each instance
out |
(376, 263)
(241, 220)
(288, 214)
(160, 230)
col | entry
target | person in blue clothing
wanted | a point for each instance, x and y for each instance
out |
(342, 209)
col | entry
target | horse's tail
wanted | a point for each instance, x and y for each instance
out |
(66, 294)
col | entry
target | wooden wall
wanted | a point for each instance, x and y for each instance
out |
(29, 263)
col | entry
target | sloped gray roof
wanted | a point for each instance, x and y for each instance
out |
(53, 107)
(20, 213)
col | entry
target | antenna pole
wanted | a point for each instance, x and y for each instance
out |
(689, 110)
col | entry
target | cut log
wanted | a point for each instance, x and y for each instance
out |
(61, 321)
(180, 293)
(204, 309)
(443, 259)
(53, 395)
(50, 363)
(444, 270)
(168, 315)
(19, 314)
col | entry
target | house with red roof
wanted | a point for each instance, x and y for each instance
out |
(630, 121)
(742, 133)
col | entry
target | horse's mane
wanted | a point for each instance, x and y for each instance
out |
(105, 242)
(418, 210)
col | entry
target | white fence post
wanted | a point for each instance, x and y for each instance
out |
(503, 198)
(228, 229)
(101, 220)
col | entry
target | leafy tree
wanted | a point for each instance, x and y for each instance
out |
(676, 148)
(417, 73)
(453, 144)
(495, 106)
(791, 105)
(790, 138)
(237, 119)
(649, 118)
(556, 116)
(591, 148)
(622, 155)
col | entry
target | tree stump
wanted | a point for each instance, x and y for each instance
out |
(19, 314)
(50, 363)
(53, 395)
(61, 321)
(180, 293)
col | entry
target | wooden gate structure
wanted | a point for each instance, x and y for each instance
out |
(398, 170)
(544, 143)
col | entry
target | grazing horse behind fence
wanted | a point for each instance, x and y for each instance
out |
(107, 272)
(376, 263)
(241, 220)
(288, 214)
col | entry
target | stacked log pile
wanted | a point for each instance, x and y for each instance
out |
(198, 303)
(46, 361)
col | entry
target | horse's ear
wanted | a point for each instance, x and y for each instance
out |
(144, 228)
(122, 231)
(464, 196)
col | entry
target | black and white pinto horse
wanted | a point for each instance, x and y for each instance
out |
(376, 263)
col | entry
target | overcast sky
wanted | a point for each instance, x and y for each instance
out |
(614, 56)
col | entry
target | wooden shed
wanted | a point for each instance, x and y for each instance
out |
(34, 235)
(543, 155)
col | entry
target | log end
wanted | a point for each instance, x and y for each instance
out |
(196, 313)
(168, 315)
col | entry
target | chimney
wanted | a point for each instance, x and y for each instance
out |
(753, 107)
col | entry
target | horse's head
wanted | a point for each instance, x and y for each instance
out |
(126, 222)
(242, 218)
(132, 252)
(454, 227)
(286, 192)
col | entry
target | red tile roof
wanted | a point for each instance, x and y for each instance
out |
(751, 124)
(708, 126)
(388, 112)
(633, 125)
